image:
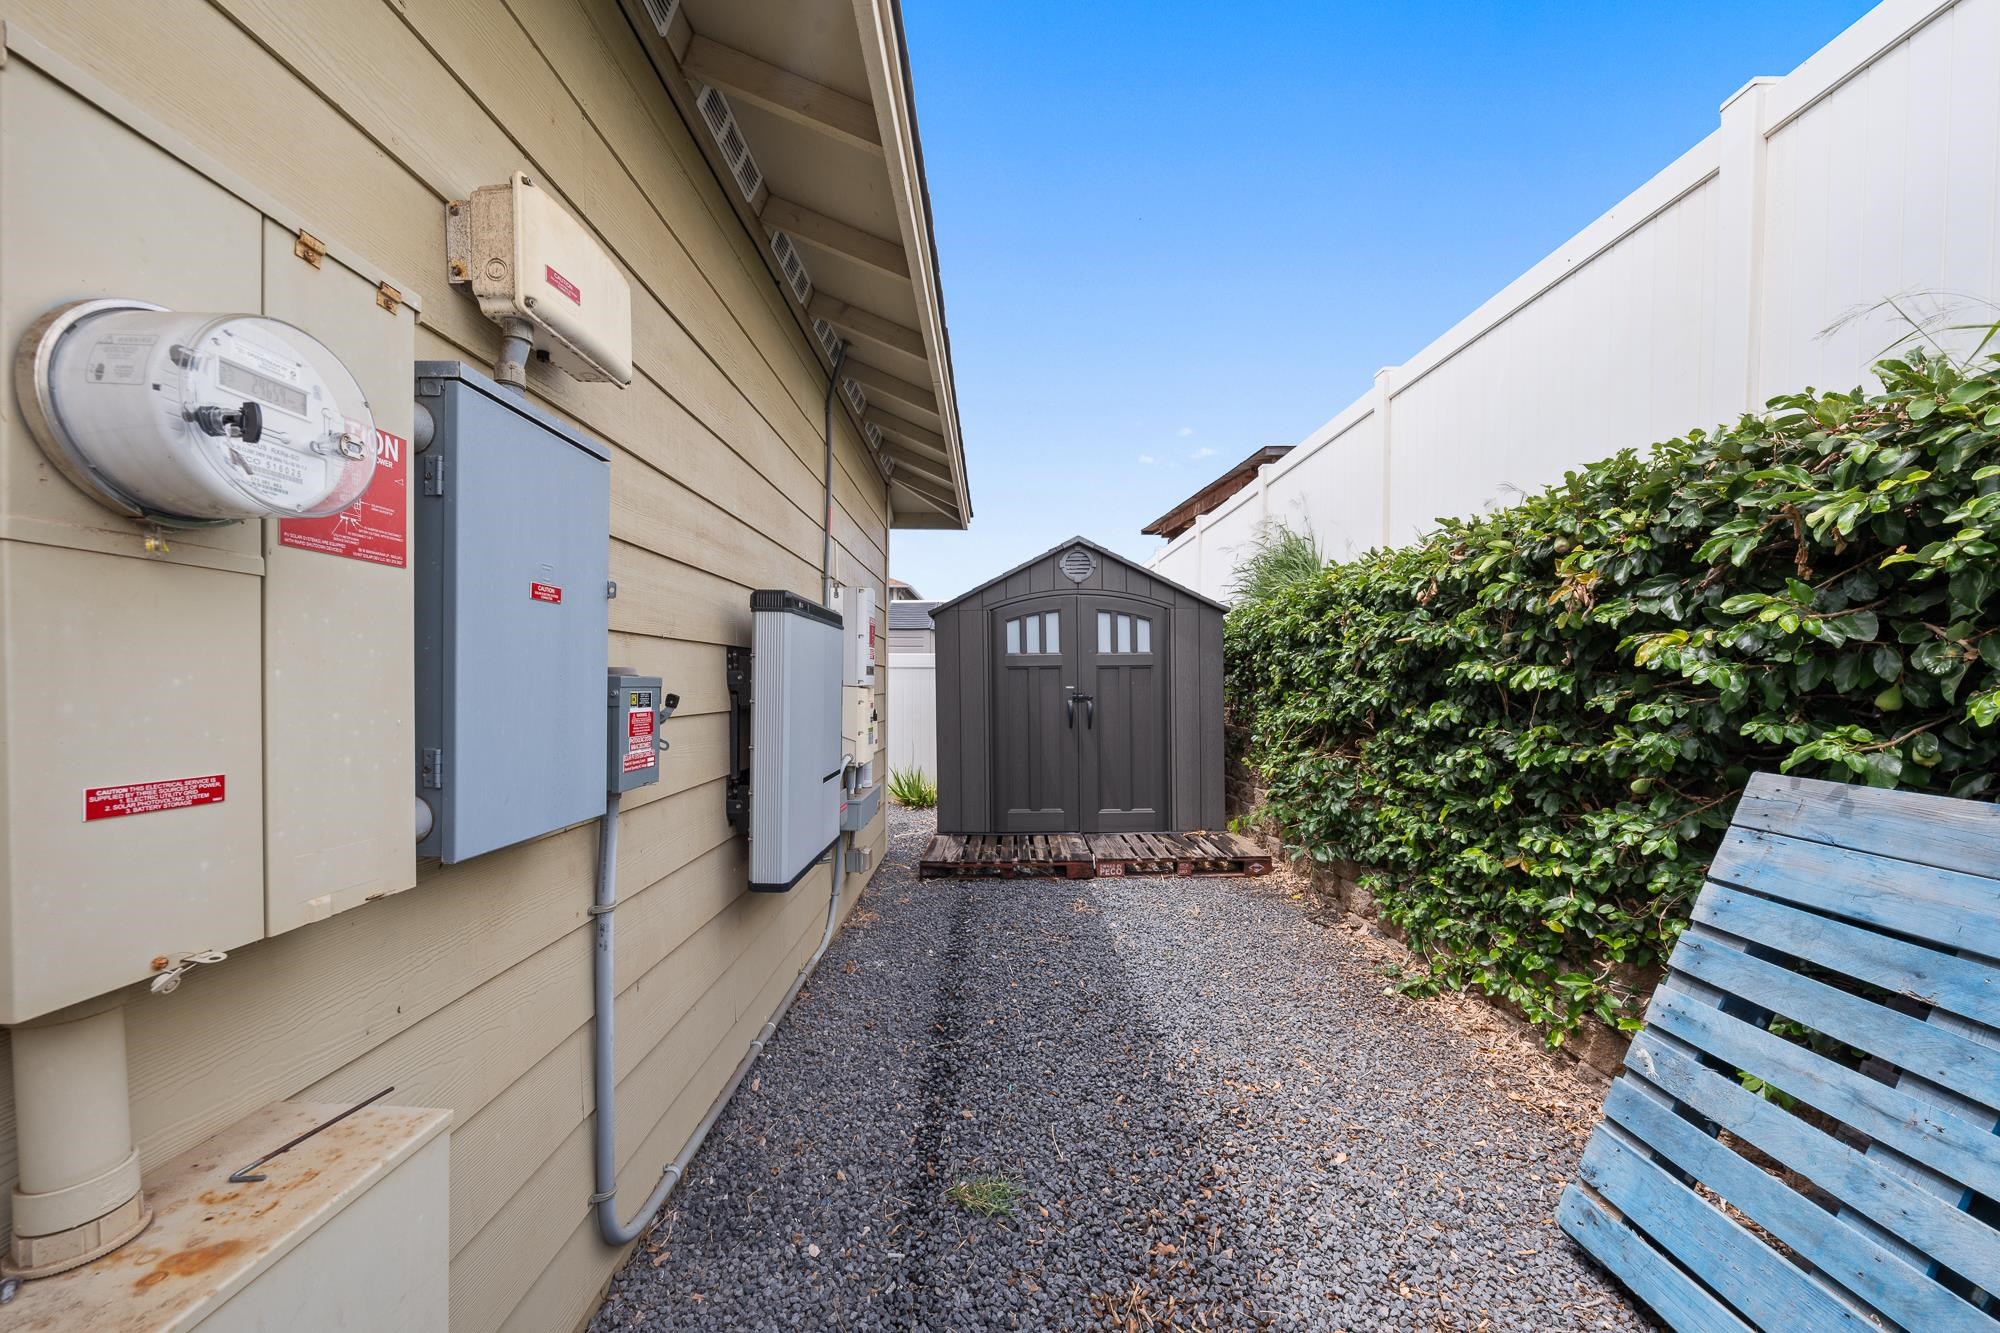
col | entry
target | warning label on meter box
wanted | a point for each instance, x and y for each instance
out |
(373, 528)
(638, 739)
(143, 798)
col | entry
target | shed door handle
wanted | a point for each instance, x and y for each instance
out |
(1089, 710)
(1070, 704)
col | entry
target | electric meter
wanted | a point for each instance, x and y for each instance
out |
(195, 419)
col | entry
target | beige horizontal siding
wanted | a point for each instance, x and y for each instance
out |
(473, 991)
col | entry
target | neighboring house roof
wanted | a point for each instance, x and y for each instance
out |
(900, 591)
(1107, 553)
(910, 615)
(1210, 497)
(817, 118)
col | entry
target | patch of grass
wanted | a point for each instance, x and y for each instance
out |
(912, 788)
(1283, 557)
(989, 1196)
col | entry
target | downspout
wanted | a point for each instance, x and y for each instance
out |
(604, 1066)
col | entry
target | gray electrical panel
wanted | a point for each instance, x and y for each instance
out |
(513, 519)
(793, 767)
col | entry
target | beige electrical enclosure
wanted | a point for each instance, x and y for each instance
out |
(346, 1232)
(205, 732)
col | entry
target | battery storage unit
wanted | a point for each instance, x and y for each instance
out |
(513, 569)
(795, 767)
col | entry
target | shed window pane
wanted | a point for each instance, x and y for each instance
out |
(1124, 634)
(1103, 631)
(1054, 619)
(1145, 635)
(1034, 634)
(1013, 636)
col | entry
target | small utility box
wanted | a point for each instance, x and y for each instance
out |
(513, 548)
(637, 710)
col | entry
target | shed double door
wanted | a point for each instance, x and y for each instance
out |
(1080, 715)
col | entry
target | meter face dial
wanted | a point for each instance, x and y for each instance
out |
(302, 454)
(199, 417)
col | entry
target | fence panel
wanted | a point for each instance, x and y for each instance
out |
(913, 712)
(1870, 173)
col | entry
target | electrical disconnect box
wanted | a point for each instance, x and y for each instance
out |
(637, 710)
(513, 573)
(858, 719)
(856, 607)
(787, 789)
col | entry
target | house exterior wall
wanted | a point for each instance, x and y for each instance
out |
(471, 990)
(1751, 266)
(965, 706)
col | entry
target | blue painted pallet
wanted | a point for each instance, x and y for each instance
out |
(1868, 1196)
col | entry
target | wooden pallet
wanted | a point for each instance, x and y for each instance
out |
(1177, 854)
(1007, 855)
(1871, 916)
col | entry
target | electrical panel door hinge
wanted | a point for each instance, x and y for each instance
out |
(309, 247)
(434, 475)
(433, 770)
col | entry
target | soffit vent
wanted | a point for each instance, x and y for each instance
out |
(722, 124)
(874, 434)
(794, 268)
(855, 396)
(827, 339)
(662, 13)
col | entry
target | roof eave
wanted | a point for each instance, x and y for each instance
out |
(886, 56)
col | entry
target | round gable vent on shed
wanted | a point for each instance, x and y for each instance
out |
(1079, 693)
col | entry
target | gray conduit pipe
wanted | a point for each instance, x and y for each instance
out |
(604, 1048)
(517, 344)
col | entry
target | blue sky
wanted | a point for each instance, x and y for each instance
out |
(1171, 233)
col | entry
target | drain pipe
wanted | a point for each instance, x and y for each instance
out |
(604, 1047)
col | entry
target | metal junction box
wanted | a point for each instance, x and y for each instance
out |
(637, 708)
(794, 761)
(513, 569)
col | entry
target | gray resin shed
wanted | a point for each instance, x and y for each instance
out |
(1079, 693)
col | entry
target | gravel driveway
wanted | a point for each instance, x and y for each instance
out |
(1213, 1115)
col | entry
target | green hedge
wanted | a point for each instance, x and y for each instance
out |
(1532, 726)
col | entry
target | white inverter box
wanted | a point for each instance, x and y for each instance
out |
(795, 757)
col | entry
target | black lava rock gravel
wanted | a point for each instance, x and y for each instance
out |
(1213, 1115)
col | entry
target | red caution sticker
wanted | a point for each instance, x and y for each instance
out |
(545, 592)
(373, 528)
(563, 285)
(638, 739)
(143, 798)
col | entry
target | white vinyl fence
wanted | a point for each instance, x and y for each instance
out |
(1754, 265)
(913, 712)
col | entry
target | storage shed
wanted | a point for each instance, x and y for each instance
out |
(1079, 693)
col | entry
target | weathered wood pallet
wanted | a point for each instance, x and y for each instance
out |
(1177, 854)
(1003, 856)
(1079, 856)
(1872, 918)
